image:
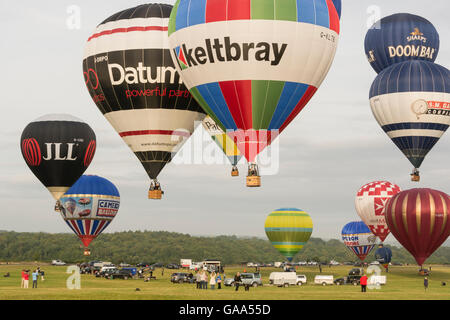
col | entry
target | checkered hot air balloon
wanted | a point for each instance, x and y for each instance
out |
(253, 65)
(358, 238)
(420, 220)
(89, 206)
(370, 203)
(288, 230)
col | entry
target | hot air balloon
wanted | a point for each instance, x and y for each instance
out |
(338, 6)
(224, 142)
(288, 230)
(358, 238)
(420, 220)
(130, 76)
(89, 206)
(370, 203)
(58, 148)
(411, 102)
(401, 37)
(253, 65)
(384, 256)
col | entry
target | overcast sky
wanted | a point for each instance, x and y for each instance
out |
(332, 148)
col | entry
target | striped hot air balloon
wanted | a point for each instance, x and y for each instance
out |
(130, 76)
(411, 102)
(358, 238)
(89, 206)
(370, 203)
(224, 142)
(420, 220)
(253, 65)
(288, 230)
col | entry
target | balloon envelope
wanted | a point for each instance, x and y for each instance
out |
(89, 206)
(130, 76)
(288, 230)
(338, 6)
(410, 101)
(420, 220)
(58, 148)
(358, 238)
(401, 37)
(370, 203)
(383, 255)
(253, 65)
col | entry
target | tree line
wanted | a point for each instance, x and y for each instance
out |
(168, 247)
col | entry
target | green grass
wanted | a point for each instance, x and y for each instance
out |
(403, 283)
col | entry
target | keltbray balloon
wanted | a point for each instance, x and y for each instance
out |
(401, 37)
(358, 238)
(253, 65)
(288, 229)
(130, 76)
(58, 148)
(411, 102)
(89, 206)
(224, 142)
(370, 203)
(383, 255)
(420, 220)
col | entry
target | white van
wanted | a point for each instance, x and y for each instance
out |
(375, 280)
(286, 279)
(323, 280)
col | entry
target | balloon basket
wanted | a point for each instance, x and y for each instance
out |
(58, 206)
(253, 181)
(87, 252)
(155, 194)
(235, 173)
(415, 177)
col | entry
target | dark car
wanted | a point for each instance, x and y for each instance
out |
(353, 277)
(144, 264)
(157, 265)
(181, 277)
(173, 266)
(119, 274)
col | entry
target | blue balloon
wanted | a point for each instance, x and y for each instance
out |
(338, 6)
(401, 37)
(358, 238)
(383, 255)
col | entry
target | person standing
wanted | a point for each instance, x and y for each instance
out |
(363, 282)
(219, 281)
(198, 280)
(204, 280)
(26, 277)
(212, 281)
(42, 275)
(425, 283)
(34, 277)
(237, 281)
(23, 278)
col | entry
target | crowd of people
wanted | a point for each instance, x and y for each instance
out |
(202, 277)
(35, 274)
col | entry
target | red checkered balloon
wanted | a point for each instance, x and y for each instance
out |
(370, 203)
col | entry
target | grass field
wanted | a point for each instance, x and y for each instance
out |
(403, 283)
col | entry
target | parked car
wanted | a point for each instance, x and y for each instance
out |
(144, 264)
(182, 277)
(58, 263)
(119, 274)
(124, 265)
(252, 279)
(173, 266)
(228, 282)
(353, 277)
(157, 265)
(323, 279)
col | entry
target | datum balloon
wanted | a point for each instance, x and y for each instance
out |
(224, 142)
(89, 206)
(288, 230)
(401, 37)
(131, 78)
(411, 103)
(58, 148)
(370, 203)
(253, 65)
(420, 220)
(358, 238)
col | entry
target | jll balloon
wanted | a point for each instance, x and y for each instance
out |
(253, 65)
(420, 220)
(401, 37)
(131, 78)
(288, 229)
(370, 203)
(89, 206)
(58, 148)
(358, 238)
(410, 100)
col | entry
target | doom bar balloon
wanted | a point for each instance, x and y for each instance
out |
(370, 203)
(131, 78)
(224, 142)
(58, 148)
(358, 238)
(411, 102)
(420, 220)
(401, 37)
(253, 65)
(288, 229)
(89, 206)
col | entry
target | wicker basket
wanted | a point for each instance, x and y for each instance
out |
(415, 177)
(253, 181)
(155, 194)
(235, 173)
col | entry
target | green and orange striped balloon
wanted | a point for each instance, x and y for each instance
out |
(288, 229)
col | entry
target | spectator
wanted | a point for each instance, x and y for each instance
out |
(212, 281)
(425, 283)
(35, 276)
(237, 281)
(198, 280)
(26, 277)
(42, 275)
(219, 281)
(363, 282)
(23, 278)
(204, 280)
